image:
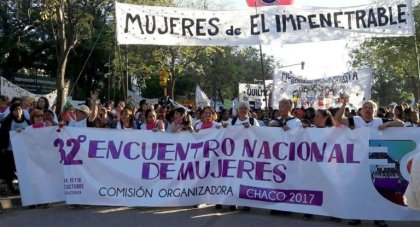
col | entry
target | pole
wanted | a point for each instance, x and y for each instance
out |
(126, 72)
(418, 67)
(109, 77)
(262, 70)
(263, 78)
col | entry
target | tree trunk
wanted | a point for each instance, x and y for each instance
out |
(62, 56)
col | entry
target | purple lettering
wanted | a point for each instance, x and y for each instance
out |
(162, 151)
(112, 150)
(248, 150)
(186, 170)
(225, 143)
(245, 166)
(207, 148)
(164, 169)
(350, 154)
(265, 150)
(226, 167)
(152, 155)
(93, 148)
(316, 153)
(304, 154)
(276, 151)
(279, 176)
(337, 154)
(146, 173)
(127, 150)
(260, 170)
(206, 169)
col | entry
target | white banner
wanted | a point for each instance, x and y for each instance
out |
(323, 93)
(11, 90)
(332, 172)
(150, 25)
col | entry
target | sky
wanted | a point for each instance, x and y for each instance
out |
(322, 59)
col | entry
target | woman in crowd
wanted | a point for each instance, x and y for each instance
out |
(367, 119)
(103, 119)
(182, 121)
(274, 118)
(225, 119)
(152, 123)
(260, 117)
(49, 118)
(245, 121)
(209, 117)
(413, 120)
(67, 115)
(125, 119)
(15, 121)
(322, 119)
(398, 112)
(243, 118)
(37, 119)
(43, 104)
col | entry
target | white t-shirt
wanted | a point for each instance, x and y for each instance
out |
(360, 123)
(409, 124)
(241, 123)
(228, 122)
(214, 125)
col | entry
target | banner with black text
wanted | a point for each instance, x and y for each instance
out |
(152, 25)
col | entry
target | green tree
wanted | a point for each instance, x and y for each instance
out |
(396, 75)
(24, 40)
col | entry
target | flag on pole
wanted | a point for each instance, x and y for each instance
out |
(201, 99)
(256, 3)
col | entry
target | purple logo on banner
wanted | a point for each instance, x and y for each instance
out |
(304, 197)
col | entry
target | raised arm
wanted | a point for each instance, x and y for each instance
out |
(339, 116)
(93, 108)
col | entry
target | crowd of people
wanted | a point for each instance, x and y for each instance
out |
(18, 113)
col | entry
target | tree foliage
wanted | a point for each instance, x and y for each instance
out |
(396, 75)
(75, 40)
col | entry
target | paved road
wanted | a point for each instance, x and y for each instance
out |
(61, 215)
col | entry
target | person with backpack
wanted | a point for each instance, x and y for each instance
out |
(286, 120)
(243, 118)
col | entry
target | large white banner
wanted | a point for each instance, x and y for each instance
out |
(323, 93)
(137, 24)
(332, 172)
(11, 90)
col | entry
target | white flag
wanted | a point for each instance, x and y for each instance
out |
(201, 99)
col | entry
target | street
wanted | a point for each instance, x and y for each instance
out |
(62, 215)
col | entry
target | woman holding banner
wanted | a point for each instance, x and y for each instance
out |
(182, 121)
(15, 121)
(151, 122)
(367, 119)
(208, 120)
(125, 119)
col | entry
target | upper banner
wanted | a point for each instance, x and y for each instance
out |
(354, 174)
(148, 25)
(323, 93)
